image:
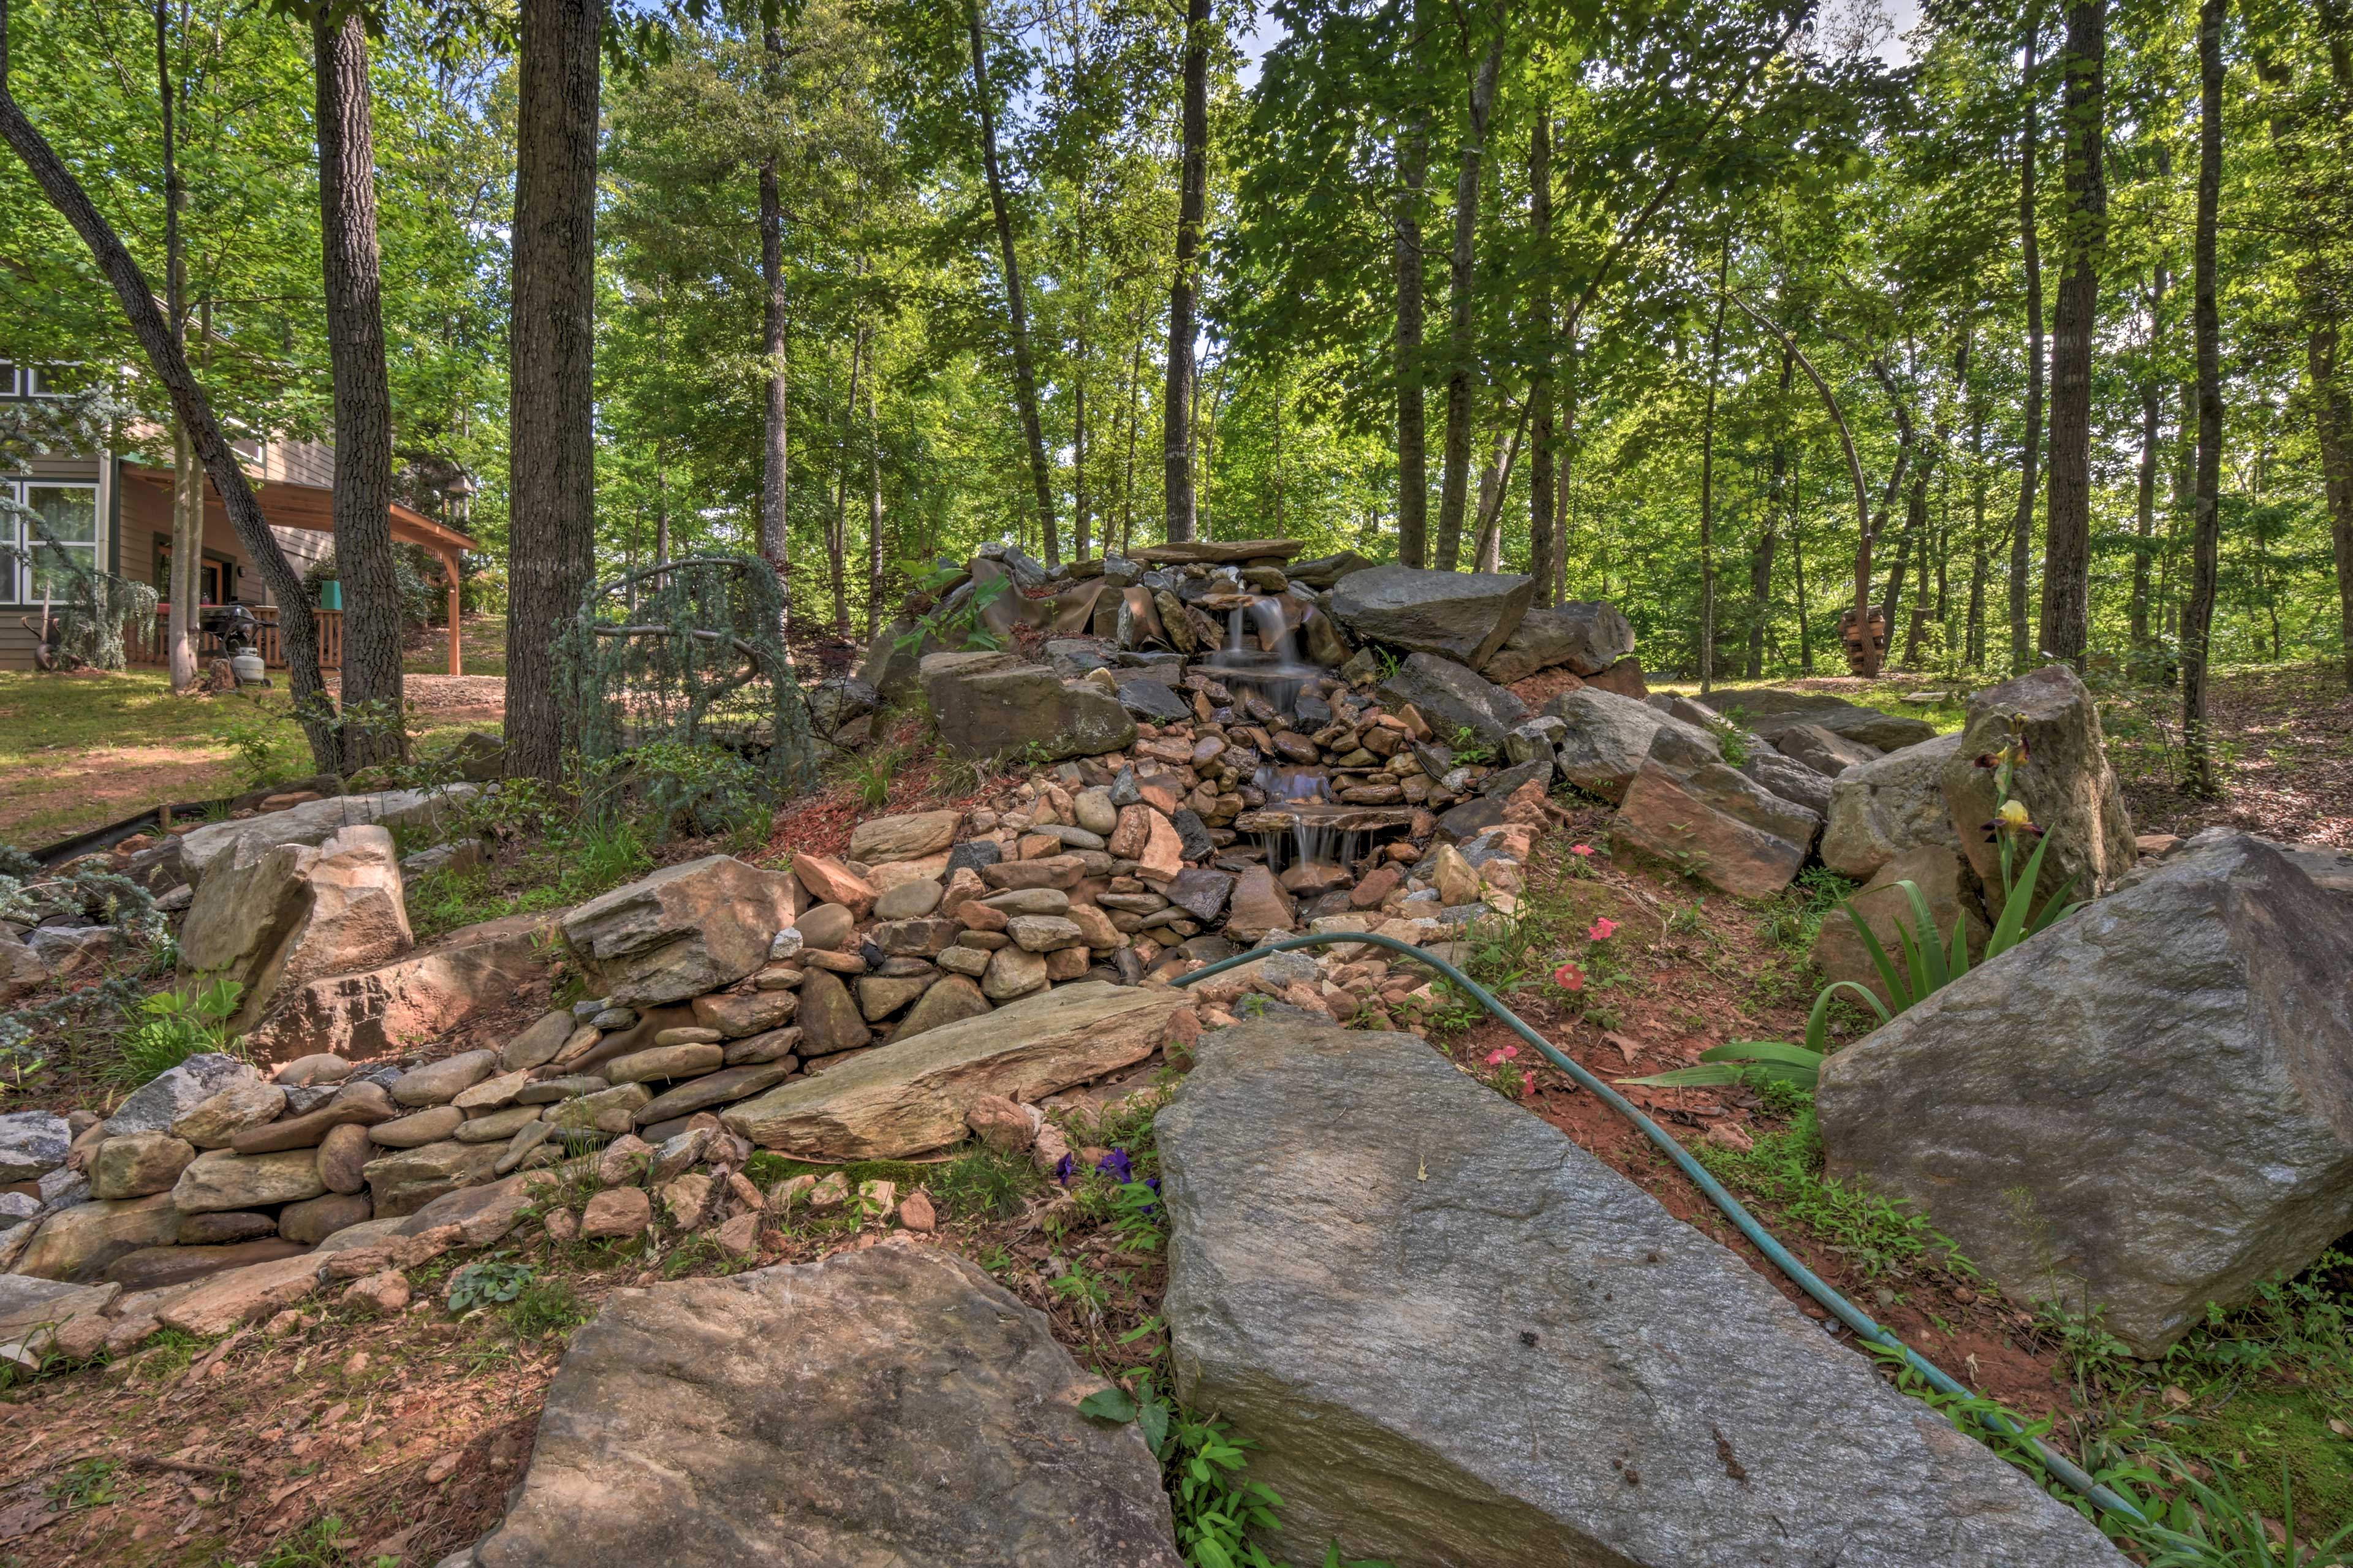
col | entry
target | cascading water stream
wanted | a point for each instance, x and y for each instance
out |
(1262, 652)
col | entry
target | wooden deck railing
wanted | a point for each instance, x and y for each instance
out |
(148, 648)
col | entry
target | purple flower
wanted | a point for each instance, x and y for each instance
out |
(1065, 1168)
(1117, 1166)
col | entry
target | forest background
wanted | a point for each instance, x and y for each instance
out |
(1601, 293)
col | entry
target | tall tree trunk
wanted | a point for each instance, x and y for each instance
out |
(1135, 416)
(1707, 474)
(661, 502)
(2067, 537)
(297, 629)
(550, 406)
(1540, 474)
(1760, 563)
(1494, 482)
(1024, 375)
(837, 541)
(1973, 638)
(776, 435)
(374, 721)
(1082, 530)
(1461, 292)
(187, 481)
(1916, 535)
(2144, 497)
(873, 509)
(2022, 539)
(2198, 618)
(1797, 569)
(1413, 434)
(1192, 210)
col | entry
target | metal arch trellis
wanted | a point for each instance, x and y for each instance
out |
(691, 650)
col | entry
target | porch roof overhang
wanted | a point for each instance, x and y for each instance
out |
(286, 503)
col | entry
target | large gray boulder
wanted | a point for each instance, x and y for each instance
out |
(1790, 779)
(685, 929)
(2066, 781)
(1768, 711)
(1880, 810)
(1462, 615)
(1716, 824)
(994, 704)
(1458, 1337)
(313, 822)
(894, 1405)
(1587, 637)
(2145, 1108)
(1609, 737)
(1454, 698)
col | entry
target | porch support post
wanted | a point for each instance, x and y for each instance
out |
(457, 660)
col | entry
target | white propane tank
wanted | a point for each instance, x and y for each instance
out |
(246, 665)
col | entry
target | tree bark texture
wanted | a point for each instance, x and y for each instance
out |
(1461, 291)
(187, 482)
(2067, 526)
(1707, 475)
(552, 401)
(1760, 562)
(1184, 284)
(2197, 615)
(874, 557)
(1025, 375)
(2022, 539)
(373, 725)
(1540, 474)
(776, 433)
(1412, 422)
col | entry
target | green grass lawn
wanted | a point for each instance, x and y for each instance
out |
(79, 751)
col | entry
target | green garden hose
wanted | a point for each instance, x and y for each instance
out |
(1846, 1313)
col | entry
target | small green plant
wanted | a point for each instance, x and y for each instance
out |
(174, 1026)
(2212, 1526)
(1731, 740)
(1469, 751)
(870, 774)
(488, 1285)
(1217, 1507)
(679, 787)
(982, 1185)
(545, 1307)
(1785, 1169)
(89, 1484)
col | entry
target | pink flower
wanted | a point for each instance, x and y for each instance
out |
(1568, 977)
(1528, 1084)
(1584, 850)
(1498, 1057)
(1602, 930)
